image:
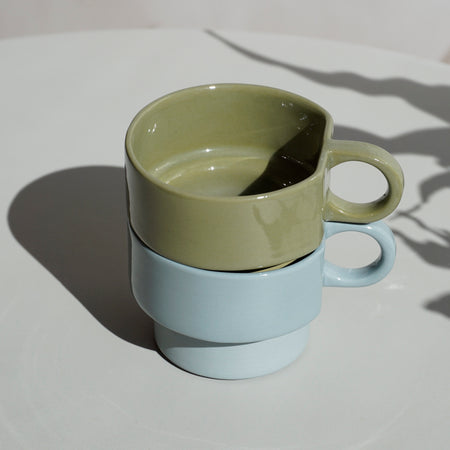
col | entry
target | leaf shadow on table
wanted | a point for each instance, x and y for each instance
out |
(433, 142)
(433, 99)
(74, 223)
(440, 304)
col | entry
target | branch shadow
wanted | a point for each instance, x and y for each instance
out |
(440, 305)
(435, 141)
(74, 223)
(433, 99)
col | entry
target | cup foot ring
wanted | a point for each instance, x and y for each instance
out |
(231, 361)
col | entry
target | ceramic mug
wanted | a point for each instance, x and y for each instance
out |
(236, 177)
(206, 321)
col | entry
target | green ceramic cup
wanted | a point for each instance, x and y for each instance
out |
(236, 177)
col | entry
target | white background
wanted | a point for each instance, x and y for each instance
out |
(417, 27)
(78, 368)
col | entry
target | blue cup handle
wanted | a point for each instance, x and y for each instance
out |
(337, 276)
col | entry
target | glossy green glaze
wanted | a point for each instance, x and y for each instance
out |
(234, 177)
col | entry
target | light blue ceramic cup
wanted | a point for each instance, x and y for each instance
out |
(237, 325)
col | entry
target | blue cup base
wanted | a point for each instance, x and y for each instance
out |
(231, 361)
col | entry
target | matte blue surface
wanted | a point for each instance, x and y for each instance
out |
(232, 307)
(231, 361)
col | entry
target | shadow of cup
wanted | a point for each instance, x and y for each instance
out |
(74, 223)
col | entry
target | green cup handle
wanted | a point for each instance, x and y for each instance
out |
(339, 210)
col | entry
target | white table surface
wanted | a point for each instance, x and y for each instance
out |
(79, 367)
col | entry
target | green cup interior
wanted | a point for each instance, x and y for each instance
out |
(227, 140)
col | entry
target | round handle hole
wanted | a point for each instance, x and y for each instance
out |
(357, 182)
(351, 249)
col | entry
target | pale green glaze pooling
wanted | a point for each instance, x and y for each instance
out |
(190, 154)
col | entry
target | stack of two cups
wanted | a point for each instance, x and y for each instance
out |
(229, 209)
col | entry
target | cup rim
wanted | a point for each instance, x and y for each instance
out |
(233, 275)
(329, 125)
